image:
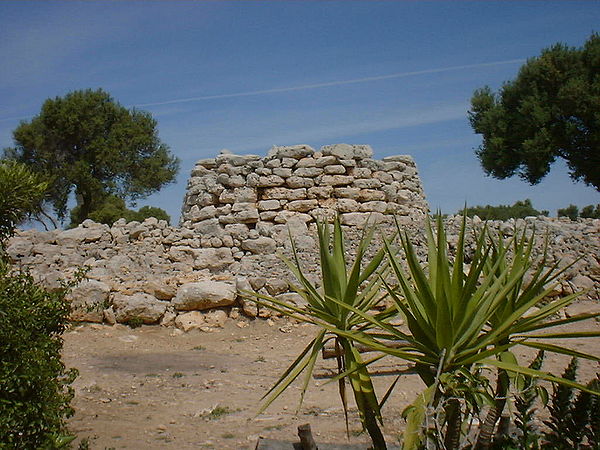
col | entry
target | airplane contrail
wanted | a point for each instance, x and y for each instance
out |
(332, 83)
(315, 86)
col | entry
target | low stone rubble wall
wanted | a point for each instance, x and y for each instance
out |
(238, 215)
(154, 273)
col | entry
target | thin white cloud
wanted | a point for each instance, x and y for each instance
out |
(333, 83)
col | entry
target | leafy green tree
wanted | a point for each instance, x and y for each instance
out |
(21, 195)
(520, 209)
(571, 211)
(113, 208)
(152, 211)
(549, 111)
(87, 143)
(588, 212)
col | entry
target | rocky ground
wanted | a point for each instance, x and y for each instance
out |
(158, 388)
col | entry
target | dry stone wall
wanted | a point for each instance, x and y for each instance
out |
(230, 192)
(238, 215)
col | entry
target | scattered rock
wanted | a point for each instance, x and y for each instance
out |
(204, 295)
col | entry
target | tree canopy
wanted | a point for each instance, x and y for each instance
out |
(551, 110)
(87, 143)
(113, 208)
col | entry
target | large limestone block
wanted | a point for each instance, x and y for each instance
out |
(212, 258)
(190, 321)
(235, 160)
(309, 172)
(299, 182)
(321, 192)
(138, 306)
(306, 162)
(270, 181)
(285, 194)
(359, 219)
(292, 151)
(336, 180)
(78, 235)
(302, 205)
(160, 289)
(88, 299)
(19, 247)
(406, 159)
(204, 295)
(261, 245)
(346, 151)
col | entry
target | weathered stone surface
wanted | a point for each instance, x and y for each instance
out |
(292, 151)
(360, 219)
(270, 181)
(269, 205)
(215, 318)
(76, 235)
(276, 286)
(140, 306)
(336, 169)
(160, 289)
(336, 180)
(212, 258)
(299, 182)
(308, 172)
(19, 247)
(260, 245)
(88, 300)
(302, 205)
(346, 151)
(204, 295)
(583, 307)
(192, 320)
(320, 192)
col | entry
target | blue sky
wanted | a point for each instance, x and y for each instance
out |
(247, 75)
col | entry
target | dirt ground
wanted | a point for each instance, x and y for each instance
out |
(154, 388)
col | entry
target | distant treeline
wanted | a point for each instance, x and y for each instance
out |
(524, 208)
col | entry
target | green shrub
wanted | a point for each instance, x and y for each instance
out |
(151, 211)
(34, 384)
(113, 208)
(520, 210)
(571, 211)
(589, 212)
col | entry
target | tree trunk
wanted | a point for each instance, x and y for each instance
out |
(453, 423)
(486, 432)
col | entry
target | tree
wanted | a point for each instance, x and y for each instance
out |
(87, 143)
(521, 209)
(113, 208)
(588, 212)
(22, 194)
(571, 211)
(549, 111)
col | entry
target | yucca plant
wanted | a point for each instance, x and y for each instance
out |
(346, 288)
(525, 311)
(460, 320)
